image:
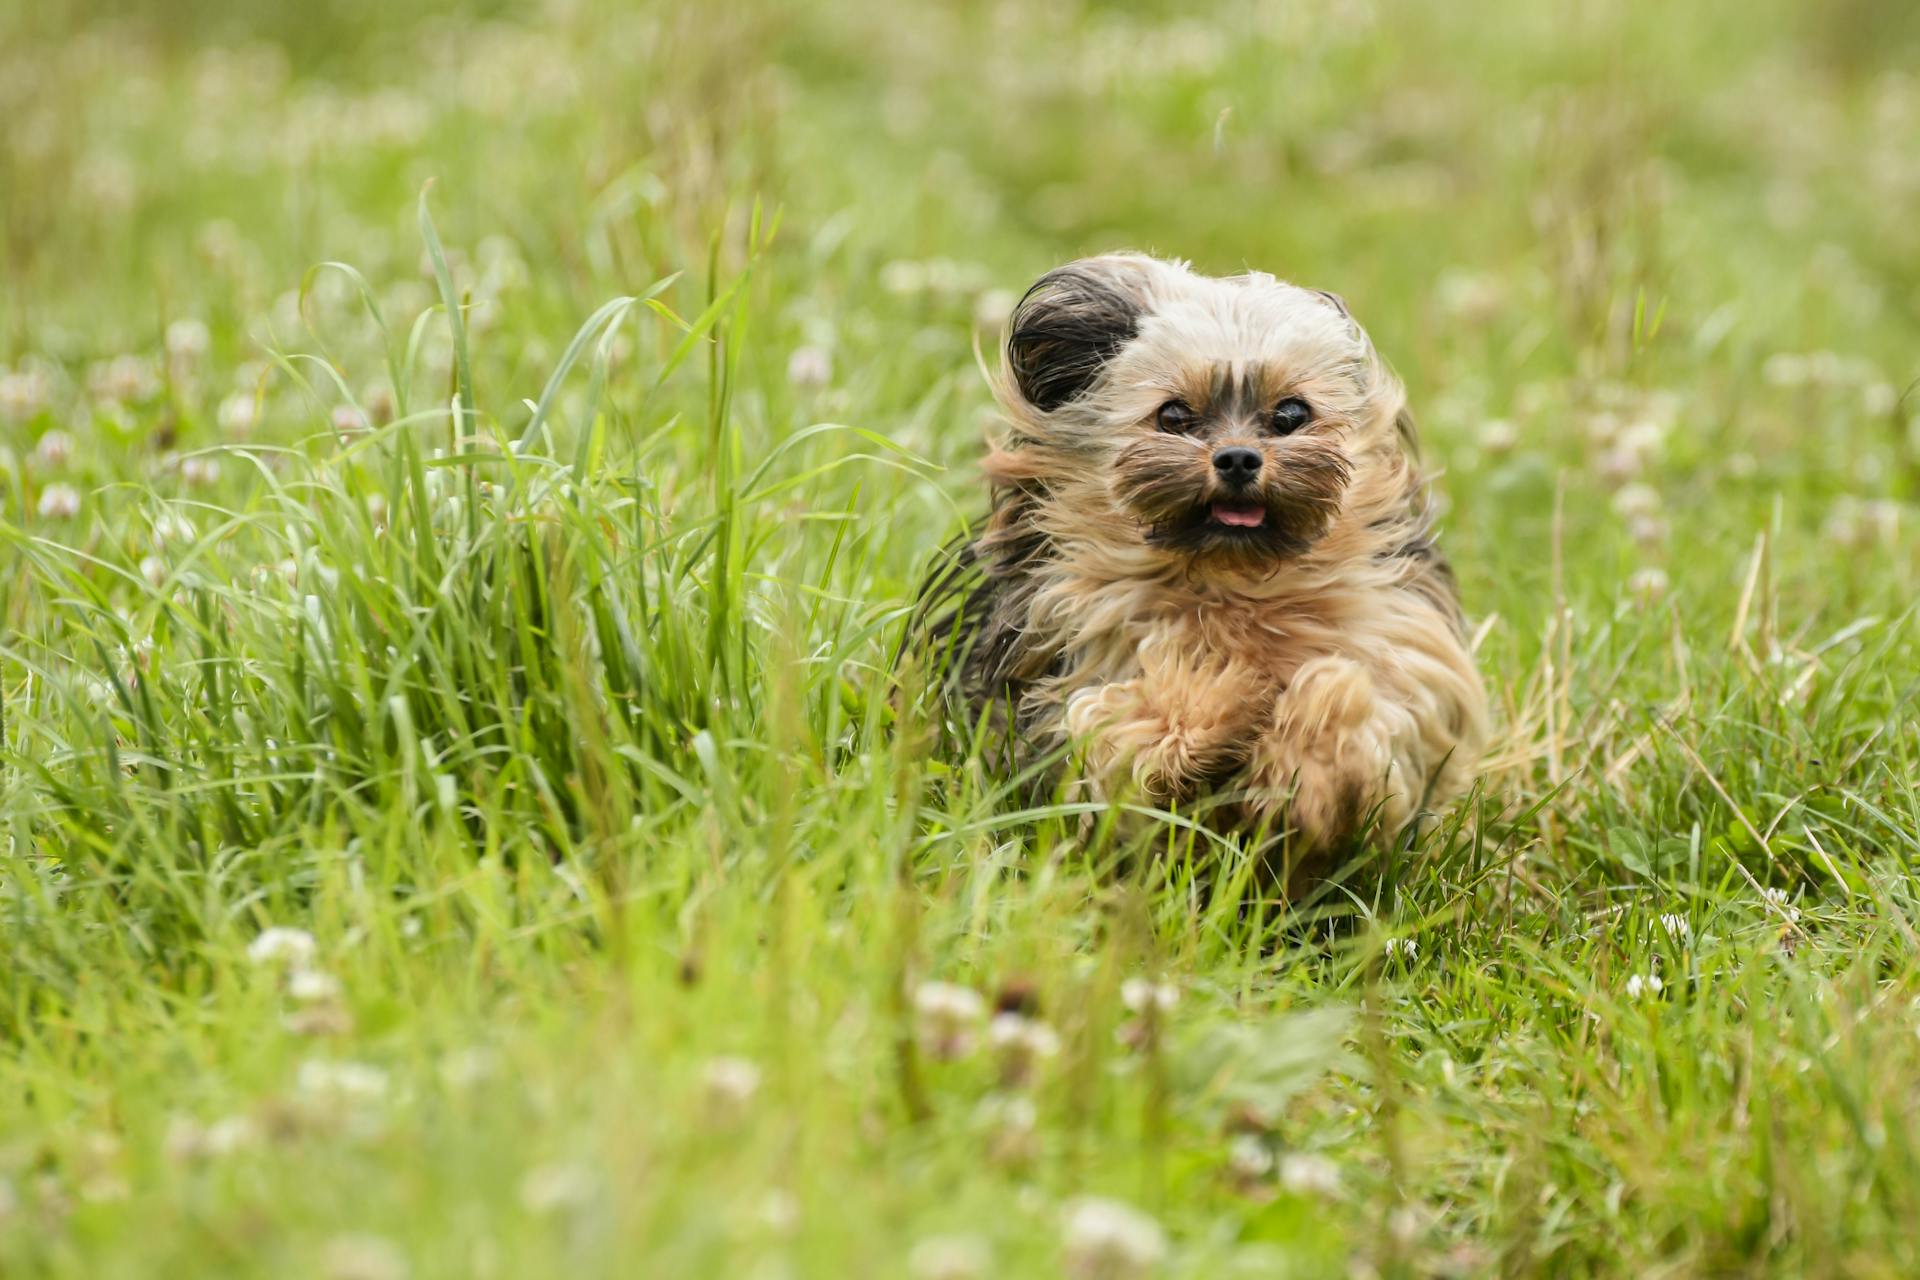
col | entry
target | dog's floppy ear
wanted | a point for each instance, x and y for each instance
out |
(1073, 320)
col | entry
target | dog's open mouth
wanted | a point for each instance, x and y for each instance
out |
(1237, 515)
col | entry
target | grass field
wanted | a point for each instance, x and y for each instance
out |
(425, 859)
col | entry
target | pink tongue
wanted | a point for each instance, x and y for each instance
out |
(1239, 517)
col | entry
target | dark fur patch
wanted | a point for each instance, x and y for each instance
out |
(1065, 330)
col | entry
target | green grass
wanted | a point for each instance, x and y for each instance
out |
(580, 763)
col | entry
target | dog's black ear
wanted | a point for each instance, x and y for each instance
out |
(1069, 325)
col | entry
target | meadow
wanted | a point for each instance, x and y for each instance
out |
(464, 473)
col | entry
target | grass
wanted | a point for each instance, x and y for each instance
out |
(578, 761)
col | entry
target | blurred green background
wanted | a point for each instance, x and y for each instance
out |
(1652, 274)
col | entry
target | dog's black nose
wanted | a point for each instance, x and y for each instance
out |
(1237, 465)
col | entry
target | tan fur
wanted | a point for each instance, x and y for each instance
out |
(1320, 669)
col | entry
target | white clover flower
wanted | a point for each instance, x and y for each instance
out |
(1786, 369)
(556, 1188)
(1648, 585)
(1021, 1043)
(280, 945)
(326, 1081)
(1635, 501)
(1677, 926)
(310, 986)
(239, 414)
(171, 526)
(1108, 1240)
(779, 1211)
(154, 570)
(199, 471)
(363, 1257)
(1249, 1157)
(1407, 949)
(58, 502)
(903, 278)
(187, 340)
(126, 379)
(187, 1141)
(1650, 985)
(949, 1258)
(24, 393)
(1647, 531)
(1143, 995)
(730, 1084)
(348, 421)
(948, 1016)
(810, 366)
(1304, 1174)
(1778, 900)
(55, 449)
(1498, 436)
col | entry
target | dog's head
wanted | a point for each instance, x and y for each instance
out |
(1219, 422)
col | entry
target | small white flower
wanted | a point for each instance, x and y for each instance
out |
(1498, 437)
(1021, 1044)
(810, 366)
(730, 1084)
(59, 502)
(187, 341)
(948, 1015)
(279, 945)
(1786, 369)
(363, 1257)
(555, 1188)
(949, 1258)
(1107, 1240)
(1635, 501)
(124, 379)
(377, 510)
(199, 471)
(1650, 985)
(779, 1211)
(464, 1068)
(311, 985)
(347, 421)
(1648, 585)
(171, 526)
(239, 414)
(1143, 995)
(54, 450)
(1647, 531)
(188, 1141)
(325, 1081)
(903, 278)
(1778, 900)
(1878, 399)
(1407, 949)
(154, 570)
(1249, 1157)
(23, 394)
(1304, 1174)
(1677, 926)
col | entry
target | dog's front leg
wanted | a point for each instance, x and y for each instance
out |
(1156, 742)
(1328, 763)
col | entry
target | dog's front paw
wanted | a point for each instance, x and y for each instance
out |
(1128, 742)
(1326, 763)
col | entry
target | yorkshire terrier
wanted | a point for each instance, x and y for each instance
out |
(1209, 566)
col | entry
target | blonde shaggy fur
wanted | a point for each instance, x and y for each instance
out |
(1311, 670)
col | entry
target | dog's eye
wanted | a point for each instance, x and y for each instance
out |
(1291, 414)
(1174, 416)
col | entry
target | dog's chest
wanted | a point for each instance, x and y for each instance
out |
(1248, 642)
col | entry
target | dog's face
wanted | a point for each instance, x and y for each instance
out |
(1217, 422)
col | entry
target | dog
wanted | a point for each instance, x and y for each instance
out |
(1209, 567)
